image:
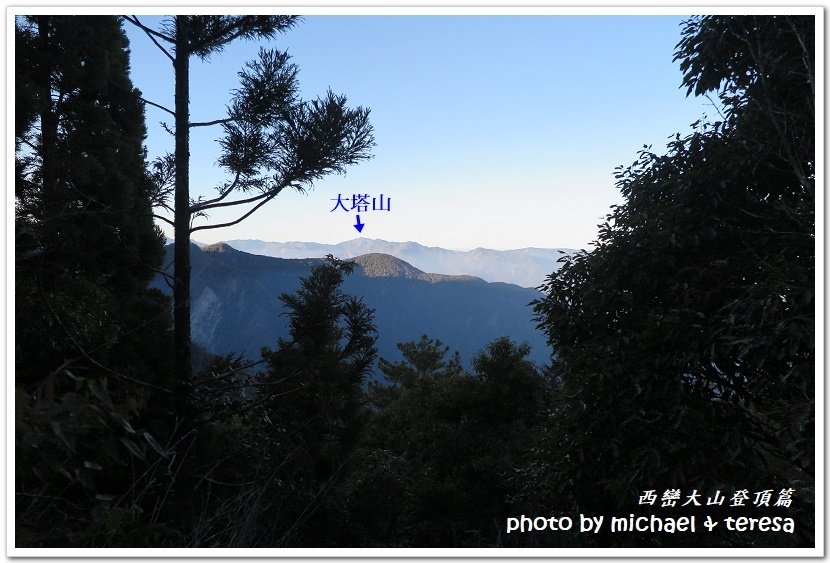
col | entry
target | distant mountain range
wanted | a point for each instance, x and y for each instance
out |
(236, 308)
(527, 267)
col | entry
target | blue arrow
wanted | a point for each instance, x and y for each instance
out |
(359, 226)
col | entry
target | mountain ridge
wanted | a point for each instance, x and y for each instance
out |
(377, 264)
(526, 267)
(236, 308)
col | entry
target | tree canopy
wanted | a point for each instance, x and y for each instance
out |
(685, 339)
(92, 349)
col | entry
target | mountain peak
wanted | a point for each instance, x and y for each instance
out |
(218, 247)
(527, 267)
(235, 303)
(376, 265)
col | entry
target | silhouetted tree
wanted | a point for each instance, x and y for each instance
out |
(294, 434)
(92, 352)
(437, 455)
(513, 385)
(685, 340)
(325, 361)
(423, 358)
(272, 139)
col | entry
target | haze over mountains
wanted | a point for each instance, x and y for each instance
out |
(236, 307)
(527, 267)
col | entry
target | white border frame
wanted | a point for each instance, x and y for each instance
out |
(382, 8)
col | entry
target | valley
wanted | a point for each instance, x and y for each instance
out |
(236, 306)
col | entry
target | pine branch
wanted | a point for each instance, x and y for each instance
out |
(270, 196)
(222, 36)
(209, 203)
(219, 203)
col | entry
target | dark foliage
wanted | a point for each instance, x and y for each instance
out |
(685, 340)
(435, 464)
(274, 446)
(91, 342)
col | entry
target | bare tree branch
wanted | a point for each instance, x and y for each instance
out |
(152, 34)
(161, 107)
(270, 196)
(214, 122)
(219, 203)
(207, 204)
(165, 219)
(251, 405)
(167, 128)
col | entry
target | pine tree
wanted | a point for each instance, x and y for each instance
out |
(425, 358)
(90, 339)
(442, 445)
(324, 363)
(272, 140)
(300, 422)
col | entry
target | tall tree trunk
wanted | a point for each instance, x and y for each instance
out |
(181, 248)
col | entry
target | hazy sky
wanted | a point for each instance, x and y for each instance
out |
(492, 131)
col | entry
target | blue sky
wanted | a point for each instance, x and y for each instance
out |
(492, 131)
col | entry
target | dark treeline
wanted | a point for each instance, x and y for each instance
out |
(684, 343)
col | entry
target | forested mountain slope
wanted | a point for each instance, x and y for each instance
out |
(236, 304)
